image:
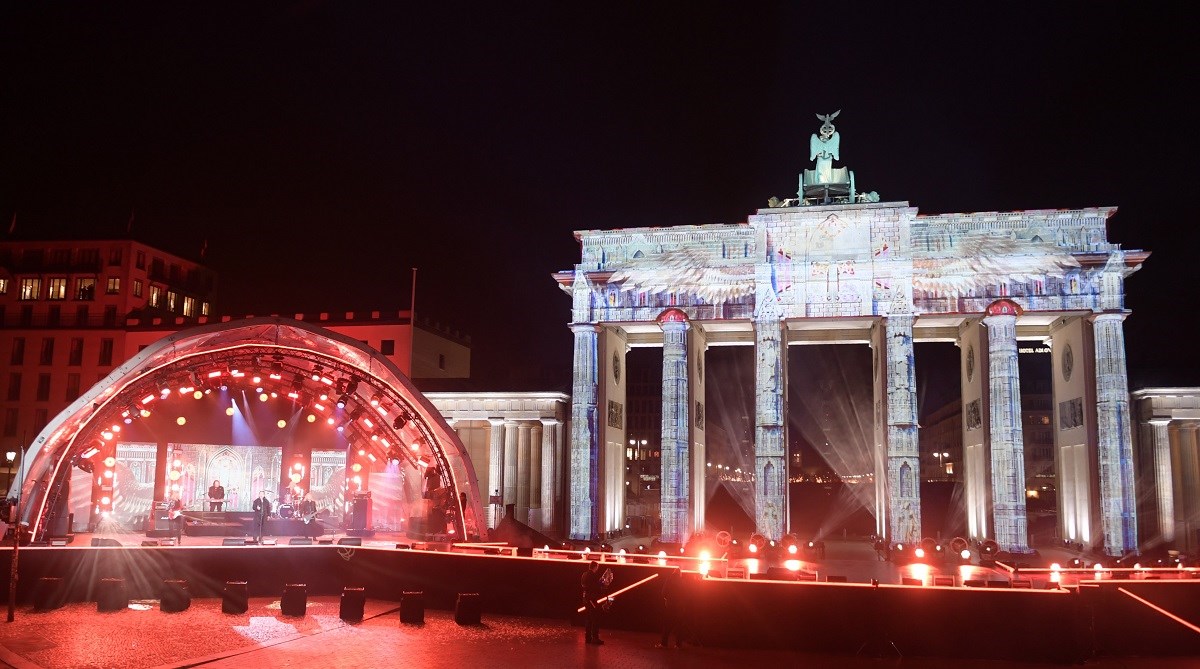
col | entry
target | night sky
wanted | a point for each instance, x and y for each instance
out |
(324, 149)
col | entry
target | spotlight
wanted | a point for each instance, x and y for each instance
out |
(297, 383)
(400, 422)
(352, 385)
(341, 403)
(375, 400)
(316, 373)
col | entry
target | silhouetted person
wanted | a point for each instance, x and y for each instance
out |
(262, 511)
(673, 608)
(593, 589)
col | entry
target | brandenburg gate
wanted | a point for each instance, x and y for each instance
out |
(836, 265)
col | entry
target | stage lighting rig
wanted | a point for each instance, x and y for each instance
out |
(341, 402)
(400, 422)
(352, 385)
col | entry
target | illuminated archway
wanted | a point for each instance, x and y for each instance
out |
(382, 416)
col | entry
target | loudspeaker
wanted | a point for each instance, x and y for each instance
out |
(174, 596)
(905, 580)
(524, 551)
(111, 595)
(358, 512)
(149, 542)
(60, 541)
(412, 608)
(353, 602)
(469, 609)
(233, 541)
(295, 599)
(835, 579)
(234, 599)
(299, 541)
(105, 541)
(49, 594)
(325, 542)
(350, 541)
(782, 574)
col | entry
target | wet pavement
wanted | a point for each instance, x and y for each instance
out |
(202, 636)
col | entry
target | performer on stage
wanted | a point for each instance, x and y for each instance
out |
(262, 511)
(175, 513)
(216, 496)
(308, 513)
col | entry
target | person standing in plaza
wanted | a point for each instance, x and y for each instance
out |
(593, 591)
(673, 609)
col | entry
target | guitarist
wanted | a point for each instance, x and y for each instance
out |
(308, 512)
(175, 513)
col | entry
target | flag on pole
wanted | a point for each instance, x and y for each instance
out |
(129, 225)
(204, 248)
(12, 227)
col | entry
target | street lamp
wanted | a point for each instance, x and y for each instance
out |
(941, 456)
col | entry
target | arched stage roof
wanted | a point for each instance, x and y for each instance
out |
(302, 358)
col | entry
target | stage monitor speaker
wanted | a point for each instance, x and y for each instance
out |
(174, 596)
(295, 599)
(233, 541)
(111, 595)
(350, 541)
(325, 542)
(149, 542)
(235, 597)
(906, 580)
(469, 609)
(59, 541)
(105, 541)
(412, 607)
(49, 594)
(782, 574)
(524, 551)
(353, 602)
(835, 579)
(299, 541)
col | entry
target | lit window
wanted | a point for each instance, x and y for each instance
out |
(31, 289)
(204, 308)
(155, 296)
(85, 289)
(57, 289)
(114, 285)
(137, 287)
(189, 306)
(172, 299)
(3, 286)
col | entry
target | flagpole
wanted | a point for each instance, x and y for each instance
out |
(412, 319)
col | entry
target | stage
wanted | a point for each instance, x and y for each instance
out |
(1113, 616)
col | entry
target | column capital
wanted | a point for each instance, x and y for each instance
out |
(1102, 316)
(496, 422)
(584, 327)
(550, 422)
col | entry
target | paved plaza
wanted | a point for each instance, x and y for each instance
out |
(202, 636)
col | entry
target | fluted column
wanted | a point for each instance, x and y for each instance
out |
(549, 432)
(535, 475)
(524, 429)
(510, 463)
(495, 469)
(676, 461)
(1007, 437)
(1118, 508)
(1164, 485)
(584, 462)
